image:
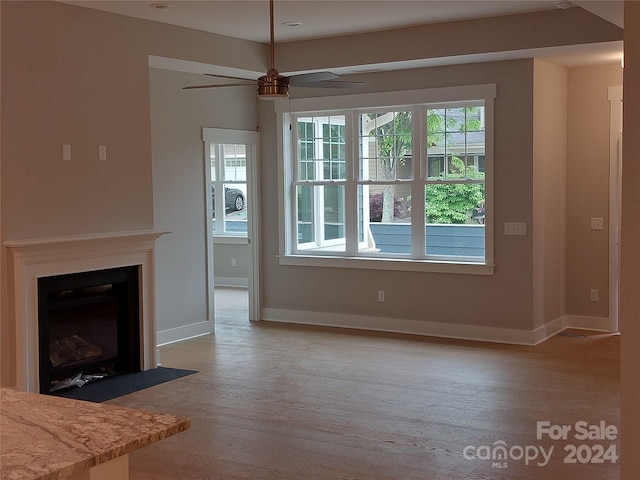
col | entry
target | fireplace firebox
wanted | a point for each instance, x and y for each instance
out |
(88, 325)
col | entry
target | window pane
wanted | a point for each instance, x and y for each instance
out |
(229, 188)
(305, 148)
(305, 214)
(235, 211)
(455, 120)
(454, 220)
(321, 148)
(385, 145)
(235, 162)
(436, 166)
(384, 221)
(320, 222)
(455, 143)
(454, 211)
(334, 213)
(235, 208)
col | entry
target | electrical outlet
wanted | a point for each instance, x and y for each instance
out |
(381, 295)
(597, 223)
(594, 295)
(234, 263)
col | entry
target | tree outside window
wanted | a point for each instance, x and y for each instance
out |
(455, 162)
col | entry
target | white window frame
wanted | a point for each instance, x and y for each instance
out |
(319, 213)
(426, 98)
(222, 235)
(221, 181)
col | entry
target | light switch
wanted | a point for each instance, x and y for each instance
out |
(102, 153)
(66, 152)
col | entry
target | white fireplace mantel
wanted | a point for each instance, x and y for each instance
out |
(45, 257)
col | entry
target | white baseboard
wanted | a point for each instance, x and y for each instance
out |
(548, 330)
(603, 324)
(177, 334)
(438, 329)
(395, 325)
(231, 282)
(582, 322)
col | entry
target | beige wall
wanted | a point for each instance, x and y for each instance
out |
(227, 274)
(630, 253)
(442, 40)
(588, 188)
(56, 96)
(419, 296)
(549, 185)
(77, 76)
(503, 300)
(180, 195)
(81, 76)
(72, 75)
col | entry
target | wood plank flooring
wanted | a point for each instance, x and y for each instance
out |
(300, 403)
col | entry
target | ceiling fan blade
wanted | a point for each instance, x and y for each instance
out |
(272, 84)
(194, 87)
(229, 77)
(311, 77)
(333, 84)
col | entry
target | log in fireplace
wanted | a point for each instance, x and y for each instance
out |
(89, 325)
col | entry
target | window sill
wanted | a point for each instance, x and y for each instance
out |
(230, 240)
(387, 264)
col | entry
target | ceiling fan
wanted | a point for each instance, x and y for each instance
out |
(273, 85)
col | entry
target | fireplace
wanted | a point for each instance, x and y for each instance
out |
(33, 261)
(88, 327)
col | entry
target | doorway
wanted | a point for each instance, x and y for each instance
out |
(231, 166)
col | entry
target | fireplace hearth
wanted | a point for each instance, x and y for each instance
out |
(88, 326)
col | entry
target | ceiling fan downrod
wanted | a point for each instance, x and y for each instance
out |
(272, 85)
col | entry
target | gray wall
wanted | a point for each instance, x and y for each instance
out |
(588, 187)
(78, 76)
(429, 296)
(225, 273)
(180, 194)
(549, 192)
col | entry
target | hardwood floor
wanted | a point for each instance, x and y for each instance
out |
(292, 402)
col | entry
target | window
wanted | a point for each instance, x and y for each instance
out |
(228, 188)
(321, 171)
(408, 186)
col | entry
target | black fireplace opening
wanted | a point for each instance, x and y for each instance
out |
(88, 326)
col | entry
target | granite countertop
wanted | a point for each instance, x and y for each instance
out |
(44, 437)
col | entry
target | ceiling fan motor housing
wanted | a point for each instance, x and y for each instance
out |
(273, 85)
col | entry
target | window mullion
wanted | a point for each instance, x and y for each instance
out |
(318, 193)
(219, 189)
(351, 188)
(292, 185)
(419, 153)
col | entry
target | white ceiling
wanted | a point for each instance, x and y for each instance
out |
(249, 19)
